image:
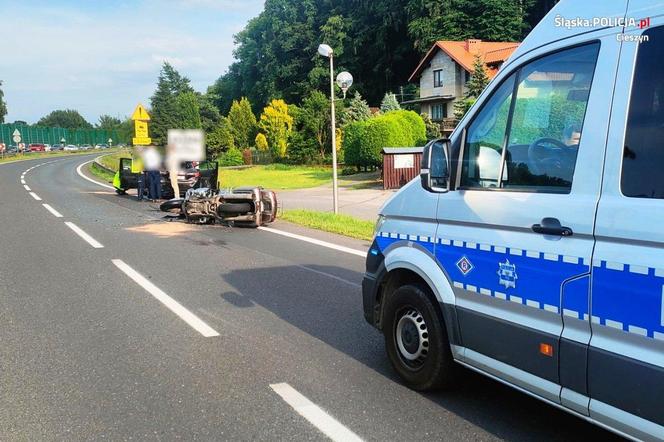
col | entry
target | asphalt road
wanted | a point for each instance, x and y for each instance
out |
(86, 352)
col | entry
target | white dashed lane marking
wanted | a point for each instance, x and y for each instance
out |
(52, 210)
(194, 321)
(35, 196)
(328, 425)
(87, 238)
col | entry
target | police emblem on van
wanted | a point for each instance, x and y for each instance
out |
(507, 274)
(464, 265)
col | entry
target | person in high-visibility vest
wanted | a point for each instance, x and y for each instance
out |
(137, 168)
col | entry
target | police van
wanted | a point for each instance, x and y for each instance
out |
(532, 248)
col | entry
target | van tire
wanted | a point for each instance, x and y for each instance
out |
(407, 310)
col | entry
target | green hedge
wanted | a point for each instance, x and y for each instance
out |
(232, 157)
(364, 140)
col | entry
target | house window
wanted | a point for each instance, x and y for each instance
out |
(438, 78)
(438, 112)
(466, 76)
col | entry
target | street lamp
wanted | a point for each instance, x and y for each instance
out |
(326, 51)
(344, 81)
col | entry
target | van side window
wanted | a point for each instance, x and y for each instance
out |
(643, 155)
(485, 140)
(535, 133)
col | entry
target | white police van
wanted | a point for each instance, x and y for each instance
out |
(532, 248)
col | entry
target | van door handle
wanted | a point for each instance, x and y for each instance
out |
(551, 226)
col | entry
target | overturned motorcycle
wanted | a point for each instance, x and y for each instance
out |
(244, 206)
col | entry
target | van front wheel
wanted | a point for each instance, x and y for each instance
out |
(416, 339)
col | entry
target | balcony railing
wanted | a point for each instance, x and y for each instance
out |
(448, 124)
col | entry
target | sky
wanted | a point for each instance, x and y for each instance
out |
(103, 56)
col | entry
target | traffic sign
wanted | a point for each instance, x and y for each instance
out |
(140, 114)
(141, 129)
(142, 141)
(16, 136)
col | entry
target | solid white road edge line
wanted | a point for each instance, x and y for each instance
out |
(194, 321)
(314, 414)
(78, 170)
(52, 210)
(26, 187)
(318, 242)
(87, 238)
(35, 196)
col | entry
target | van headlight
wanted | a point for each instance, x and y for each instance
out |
(379, 224)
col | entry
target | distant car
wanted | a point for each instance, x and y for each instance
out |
(70, 147)
(101, 146)
(57, 147)
(48, 147)
(37, 147)
(85, 147)
(12, 149)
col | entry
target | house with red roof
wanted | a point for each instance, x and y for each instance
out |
(445, 70)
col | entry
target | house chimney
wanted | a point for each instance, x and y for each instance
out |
(473, 45)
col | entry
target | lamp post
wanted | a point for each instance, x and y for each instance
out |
(344, 83)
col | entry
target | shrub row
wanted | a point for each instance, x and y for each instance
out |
(365, 140)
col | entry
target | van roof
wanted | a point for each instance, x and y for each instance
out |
(557, 24)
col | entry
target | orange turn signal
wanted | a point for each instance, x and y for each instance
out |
(546, 349)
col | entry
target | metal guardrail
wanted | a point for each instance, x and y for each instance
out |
(101, 166)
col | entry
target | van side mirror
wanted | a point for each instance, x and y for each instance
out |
(435, 167)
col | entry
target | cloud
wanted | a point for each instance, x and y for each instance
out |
(105, 59)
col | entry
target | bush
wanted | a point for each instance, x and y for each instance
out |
(364, 140)
(303, 149)
(416, 126)
(232, 157)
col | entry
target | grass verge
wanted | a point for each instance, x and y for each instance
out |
(329, 222)
(38, 155)
(276, 176)
(112, 161)
(101, 173)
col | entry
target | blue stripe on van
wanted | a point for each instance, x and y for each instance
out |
(629, 298)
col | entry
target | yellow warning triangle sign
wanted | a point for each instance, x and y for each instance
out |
(140, 114)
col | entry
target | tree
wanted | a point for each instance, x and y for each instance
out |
(3, 105)
(277, 125)
(389, 103)
(242, 123)
(164, 108)
(67, 119)
(261, 142)
(476, 84)
(220, 139)
(107, 122)
(313, 121)
(209, 113)
(357, 110)
(478, 79)
(187, 111)
(379, 41)
(490, 20)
